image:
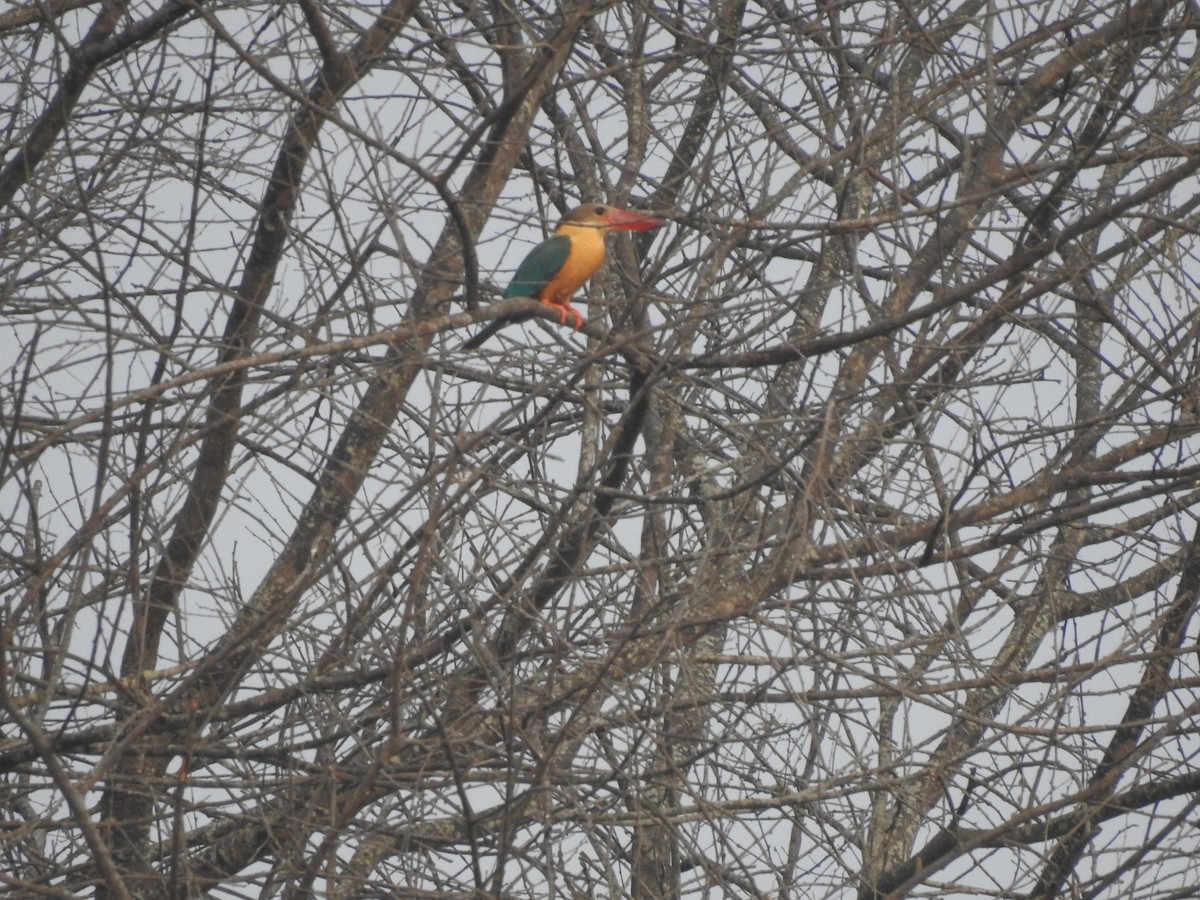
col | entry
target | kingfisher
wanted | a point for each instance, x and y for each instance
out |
(558, 266)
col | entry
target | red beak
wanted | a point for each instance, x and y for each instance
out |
(631, 221)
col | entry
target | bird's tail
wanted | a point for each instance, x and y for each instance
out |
(483, 334)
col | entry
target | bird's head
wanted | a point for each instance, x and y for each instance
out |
(598, 215)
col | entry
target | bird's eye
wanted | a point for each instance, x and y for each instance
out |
(600, 210)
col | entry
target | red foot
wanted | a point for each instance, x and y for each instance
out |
(566, 312)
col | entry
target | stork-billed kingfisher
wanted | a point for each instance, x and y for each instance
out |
(558, 266)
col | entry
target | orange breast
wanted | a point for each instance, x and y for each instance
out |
(587, 255)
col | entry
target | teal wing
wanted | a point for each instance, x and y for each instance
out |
(533, 274)
(542, 264)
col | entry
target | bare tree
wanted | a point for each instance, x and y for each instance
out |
(849, 549)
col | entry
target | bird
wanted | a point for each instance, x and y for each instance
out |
(558, 266)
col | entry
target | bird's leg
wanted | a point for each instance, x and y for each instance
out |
(572, 312)
(566, 312)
